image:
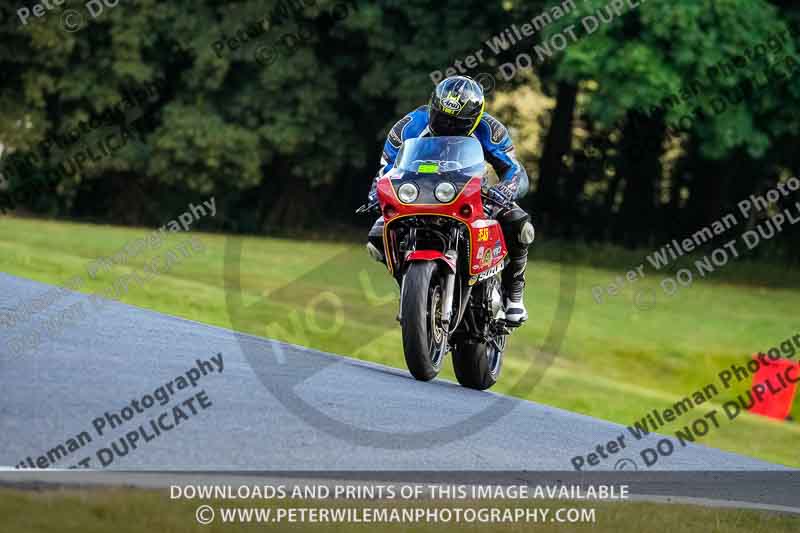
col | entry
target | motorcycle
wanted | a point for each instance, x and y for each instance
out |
(446, 251)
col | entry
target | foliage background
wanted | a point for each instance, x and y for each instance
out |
(293, 145)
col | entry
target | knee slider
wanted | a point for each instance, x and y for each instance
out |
(527, 234)
(377, 229)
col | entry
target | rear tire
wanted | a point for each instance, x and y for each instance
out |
(423, 342)
(473, 364)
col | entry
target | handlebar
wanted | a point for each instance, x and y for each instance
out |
(366, 208)
(492, 207)
(485, 196)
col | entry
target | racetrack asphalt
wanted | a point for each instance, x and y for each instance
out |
(117, 353)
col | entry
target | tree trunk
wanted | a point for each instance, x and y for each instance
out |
(706, 202)
(297, 207)
(640, 164)
(557, 145)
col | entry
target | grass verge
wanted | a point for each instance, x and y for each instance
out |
(617, 361)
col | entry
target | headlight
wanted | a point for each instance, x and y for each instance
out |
(445, 192)
(407, 193)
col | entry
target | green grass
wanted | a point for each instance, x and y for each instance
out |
(129, 511)
(616, 362)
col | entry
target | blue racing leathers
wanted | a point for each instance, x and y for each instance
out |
(498, 151)
(493, 136)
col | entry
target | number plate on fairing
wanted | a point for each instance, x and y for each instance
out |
(487, 248)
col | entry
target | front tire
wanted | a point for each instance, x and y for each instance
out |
(424, 340)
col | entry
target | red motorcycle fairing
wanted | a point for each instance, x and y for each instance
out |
(487, 246)
(431, 255)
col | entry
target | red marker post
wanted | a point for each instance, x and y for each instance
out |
(774, 387)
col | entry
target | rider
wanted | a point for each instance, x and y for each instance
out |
(456, 108)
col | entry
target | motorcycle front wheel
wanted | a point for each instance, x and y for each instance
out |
(424, 338)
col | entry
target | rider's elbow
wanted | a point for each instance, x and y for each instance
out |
(523, 183)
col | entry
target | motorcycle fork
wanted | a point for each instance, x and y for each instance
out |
(450, 281)
(448, 292)
(412, 237)
(447, 300)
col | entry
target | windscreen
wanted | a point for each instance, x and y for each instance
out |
(432, 155)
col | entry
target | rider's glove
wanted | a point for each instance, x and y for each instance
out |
(372, 198)
(502, 194)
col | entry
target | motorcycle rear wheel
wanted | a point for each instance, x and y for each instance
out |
(477, 365)
(424, 339)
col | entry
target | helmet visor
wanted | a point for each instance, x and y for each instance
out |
(443, 124)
